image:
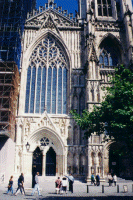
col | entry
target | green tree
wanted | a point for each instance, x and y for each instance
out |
(115, 114)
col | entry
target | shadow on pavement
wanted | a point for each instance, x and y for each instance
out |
(87, 198)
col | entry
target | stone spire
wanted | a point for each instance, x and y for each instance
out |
(50, 1)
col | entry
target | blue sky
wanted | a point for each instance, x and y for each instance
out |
(70, 5)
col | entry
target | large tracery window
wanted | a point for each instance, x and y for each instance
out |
(47, 79)
(109, 54)
(104, 8)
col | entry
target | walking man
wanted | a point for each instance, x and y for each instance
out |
(20, 185)
(36, 187)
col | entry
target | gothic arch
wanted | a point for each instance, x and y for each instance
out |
(110, 51)
(39, 38)
(47, 76)
(111, 36)
(56, 141)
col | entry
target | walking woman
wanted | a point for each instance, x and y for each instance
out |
(10, 185)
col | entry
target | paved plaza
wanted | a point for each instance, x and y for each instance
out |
(80, 191)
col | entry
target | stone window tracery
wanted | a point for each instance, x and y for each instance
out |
(47, 79)
(106, 59)
(104, 8)
(44, 141)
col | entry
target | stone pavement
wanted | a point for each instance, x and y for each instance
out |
(80, 192)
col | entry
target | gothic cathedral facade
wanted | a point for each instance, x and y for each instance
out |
(65, 63)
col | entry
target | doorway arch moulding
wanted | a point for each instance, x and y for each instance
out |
(54, 141)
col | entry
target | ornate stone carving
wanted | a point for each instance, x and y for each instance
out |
(58, 19)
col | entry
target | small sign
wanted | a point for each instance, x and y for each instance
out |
(113, 163)
(125, 188)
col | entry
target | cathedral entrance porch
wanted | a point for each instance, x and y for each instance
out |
(46, 155)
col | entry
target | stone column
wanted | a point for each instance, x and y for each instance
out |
(60, 165)
(44, 164)
(102, 170)
(89, 165)
(96, 163)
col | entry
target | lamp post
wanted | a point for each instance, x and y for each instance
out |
(27, 146)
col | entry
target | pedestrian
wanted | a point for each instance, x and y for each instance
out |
(58, 185)
(64, 185)
(10, 185)
(110, 179)
(114, 179)
(20, 185)
(97, 180)
(71, 181)
(92, 179)
(36, 185)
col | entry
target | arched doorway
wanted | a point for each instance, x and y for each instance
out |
(51, 162)
(36, 163)
(115, 165)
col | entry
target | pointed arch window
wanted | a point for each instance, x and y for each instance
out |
(47, 76)
(107, 59)
(104, 8)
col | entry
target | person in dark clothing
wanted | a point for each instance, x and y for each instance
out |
(92, 179)
(71, 181)
(10, 185)
(97, 180)
(20, 185)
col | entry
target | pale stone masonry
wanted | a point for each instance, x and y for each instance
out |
(76, 56)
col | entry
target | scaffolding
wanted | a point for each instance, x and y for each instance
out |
(13, 14)
(9, 91)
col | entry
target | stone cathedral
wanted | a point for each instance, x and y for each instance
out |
(65, 62)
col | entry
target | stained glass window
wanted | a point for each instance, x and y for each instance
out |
(43, 89)
(32, 96)
(59, 90)
(38, 90)
(107, 59)
(54, 90)
(47, 79)
(28, 90)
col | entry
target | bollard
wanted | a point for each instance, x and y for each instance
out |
(102, 188)
(87, 188)
(117, 188)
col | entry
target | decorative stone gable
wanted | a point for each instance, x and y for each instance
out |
(29, 125)
(47, 16)
(48, 23)
(46, 121)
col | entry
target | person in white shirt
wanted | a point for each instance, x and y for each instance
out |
(36, 185)
(114, 179)
(64, 184)
(110, 178)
